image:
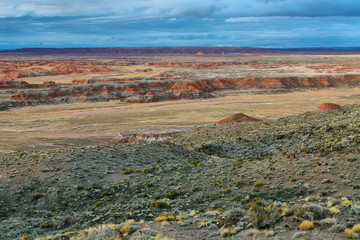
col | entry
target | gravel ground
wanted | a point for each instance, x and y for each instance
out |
(201, 183)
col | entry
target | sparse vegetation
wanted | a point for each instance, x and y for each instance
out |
(206, 176)
(306, 225)
(264, 216)
(356, 228)
(128, 171)
(350, 233)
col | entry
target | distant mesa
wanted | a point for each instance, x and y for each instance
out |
(328, 106)
(199, 53)
(237, 118)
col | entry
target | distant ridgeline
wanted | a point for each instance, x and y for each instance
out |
(182, 50)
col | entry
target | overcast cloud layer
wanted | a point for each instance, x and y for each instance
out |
(112, 23)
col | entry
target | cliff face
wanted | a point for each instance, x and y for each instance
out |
(159, 90)
(158, 78)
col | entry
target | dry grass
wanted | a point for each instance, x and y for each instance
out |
(119, 72)
(356, 228)
(306, 225)
(96, 123)
(350, 233)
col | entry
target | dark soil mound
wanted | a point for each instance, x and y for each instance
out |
(328, 106)
(236, 118)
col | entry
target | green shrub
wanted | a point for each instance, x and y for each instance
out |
(128, 171)
(158, 204)
(264, 216)
(173, 194)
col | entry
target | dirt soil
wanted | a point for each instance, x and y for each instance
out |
(307, 165)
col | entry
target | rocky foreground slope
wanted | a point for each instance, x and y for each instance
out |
(202, 185)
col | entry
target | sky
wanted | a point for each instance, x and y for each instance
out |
(143, 23)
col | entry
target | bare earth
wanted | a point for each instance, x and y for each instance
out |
(107, 96)
(128, 147)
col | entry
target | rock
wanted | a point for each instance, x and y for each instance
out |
(234, 213)
(248, 233)
(326, 181)
(270, 233)
(290, 192)
(185, 224)
(337, 228)
(355, 209)
(212, 235)
(301, 236)
(318, 212)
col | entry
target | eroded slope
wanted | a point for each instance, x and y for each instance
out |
(216, 167)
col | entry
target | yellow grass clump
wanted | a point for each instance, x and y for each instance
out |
(171, 218)
(165, 223)
(165, 217)
(125, 230)
(356, 228)
(306, 225)
(161, 219)
(350, 233)
(335, 210)
(204, 223)
(346, 202)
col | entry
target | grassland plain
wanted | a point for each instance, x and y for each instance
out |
(293, 176)
(81, 124)
(201, 185)
(77, 100)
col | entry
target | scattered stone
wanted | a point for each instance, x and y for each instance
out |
(337, 228)
(301, 236)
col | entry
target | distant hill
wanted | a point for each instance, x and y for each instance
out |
(182, 50)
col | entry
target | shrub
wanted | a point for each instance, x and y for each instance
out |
(161, 219)
(128, 171)
(171, 217)
(306, 225)
(335, 210)
(165, 217)
(165, 223)
(350, 233)
(346, 202)
(173, 194)
(149, 184)
(264, 216)
(125, 230)
(315, 211)
(356, 228)
(204, 223)
(297, 211)
(158, 204)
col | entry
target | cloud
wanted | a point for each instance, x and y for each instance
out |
(111, 23)
(114, 32)
(179, 8)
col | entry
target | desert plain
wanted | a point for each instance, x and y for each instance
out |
(126, 145)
